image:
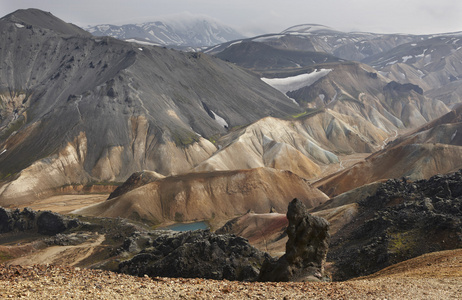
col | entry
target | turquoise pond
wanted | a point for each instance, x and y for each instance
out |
(188, 226)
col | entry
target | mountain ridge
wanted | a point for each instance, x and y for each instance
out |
(191, 31)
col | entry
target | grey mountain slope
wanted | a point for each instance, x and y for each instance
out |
(355, 46)
(99, 109)
(429, 61)
(45, 20)
(261, 58)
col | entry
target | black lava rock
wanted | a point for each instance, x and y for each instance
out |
(200, 254)
(400, 221)
(306, 248)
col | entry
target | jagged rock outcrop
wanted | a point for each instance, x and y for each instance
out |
(402, 220)
(306, 249)
(196, 254)
(44, 222)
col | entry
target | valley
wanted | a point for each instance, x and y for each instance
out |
(106, 142)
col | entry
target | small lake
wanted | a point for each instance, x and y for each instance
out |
(188, 226)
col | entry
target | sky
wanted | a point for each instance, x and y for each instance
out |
(252, 17)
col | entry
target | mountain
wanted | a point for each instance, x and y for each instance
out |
(181, 31)
(260, 57)
(316, 79)
(354, 46)
(209, 195)
(431, 62)
(77, 109)
(427, 62)
(435, 148)
(434, 64)
(302, 145)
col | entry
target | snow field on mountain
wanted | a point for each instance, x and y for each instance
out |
(294, 83)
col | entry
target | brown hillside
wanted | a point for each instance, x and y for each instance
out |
(202, 196)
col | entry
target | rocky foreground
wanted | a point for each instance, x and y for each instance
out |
(431, 276)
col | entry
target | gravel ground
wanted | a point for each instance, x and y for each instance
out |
(58, 282)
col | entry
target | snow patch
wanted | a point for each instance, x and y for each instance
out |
(235, 43)
(293, 100)
(220, 120)
(423, 53)
(406, 58)
(392, 62)
(141, 49)
(428, 59)
(322, 97)
(421, 74)
(103, 27)
(266, 38)
(19, 25)
(141, 42)
(452, 137)
(211, 49)
(2, 152)
(294, 83)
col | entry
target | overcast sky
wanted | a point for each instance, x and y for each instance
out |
(263, 16)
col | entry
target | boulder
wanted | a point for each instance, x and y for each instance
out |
(196, 254)
(306, 249)
(5, 220)
(45, 222)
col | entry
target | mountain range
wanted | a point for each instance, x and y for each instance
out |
(181, 31)
(237, 130)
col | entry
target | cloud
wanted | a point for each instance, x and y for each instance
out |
(411, 16)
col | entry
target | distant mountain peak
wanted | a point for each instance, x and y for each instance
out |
(193, 31)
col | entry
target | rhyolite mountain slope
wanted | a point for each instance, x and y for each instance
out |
(80, 109)
(301, 146)
(180, 31)
(434, 148)
(209, 196)
(348, 108)
(434, 64)
(430, 62)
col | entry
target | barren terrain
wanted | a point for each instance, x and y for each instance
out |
(60, 255)
(64, 204)
(431, 276)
